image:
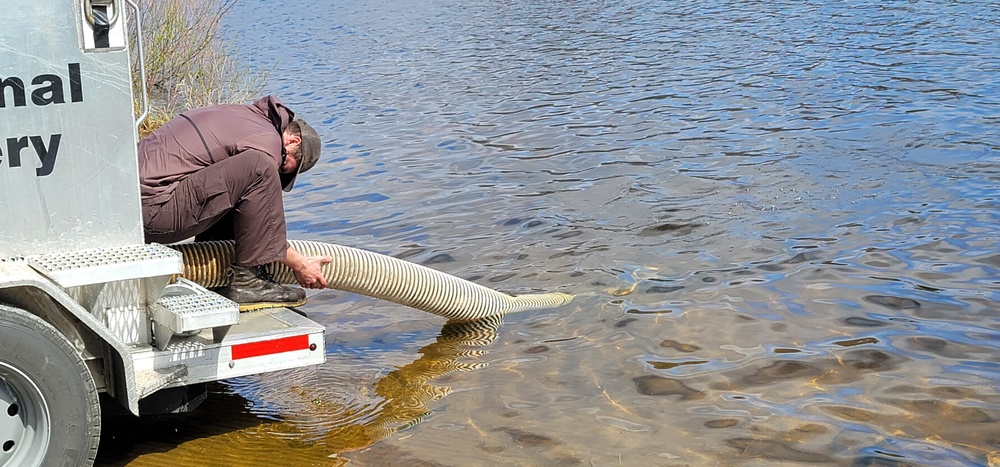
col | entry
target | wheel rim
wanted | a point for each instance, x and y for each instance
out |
(24, 419)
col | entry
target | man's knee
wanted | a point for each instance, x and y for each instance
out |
(259, 164)
(249, 172)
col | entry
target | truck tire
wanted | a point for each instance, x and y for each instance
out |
(50, 413)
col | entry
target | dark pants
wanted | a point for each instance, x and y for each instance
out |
(238, 198)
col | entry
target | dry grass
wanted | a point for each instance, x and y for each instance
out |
(188, 64)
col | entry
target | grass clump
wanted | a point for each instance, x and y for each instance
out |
(187, 62)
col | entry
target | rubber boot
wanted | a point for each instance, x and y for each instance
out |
(255, 289)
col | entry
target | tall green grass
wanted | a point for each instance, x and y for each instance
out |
(188, 62)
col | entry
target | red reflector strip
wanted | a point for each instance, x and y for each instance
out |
(256, 349)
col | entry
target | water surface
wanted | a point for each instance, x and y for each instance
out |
(780, 219)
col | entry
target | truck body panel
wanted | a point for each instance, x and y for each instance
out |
(68, 171)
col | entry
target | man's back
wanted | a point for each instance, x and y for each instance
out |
(201, 137)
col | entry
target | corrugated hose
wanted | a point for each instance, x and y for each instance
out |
(374, 275)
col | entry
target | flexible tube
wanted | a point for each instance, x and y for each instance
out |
(375, 275)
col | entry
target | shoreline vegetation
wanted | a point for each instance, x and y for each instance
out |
(188, 63)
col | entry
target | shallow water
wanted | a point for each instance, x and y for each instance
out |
(780, 219)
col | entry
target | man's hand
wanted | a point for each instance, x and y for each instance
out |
(307, 269)
(311, 276)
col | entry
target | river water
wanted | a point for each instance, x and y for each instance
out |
(779, 219)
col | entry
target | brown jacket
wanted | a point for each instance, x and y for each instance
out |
(201, 137)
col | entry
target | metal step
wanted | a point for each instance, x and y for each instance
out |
(186, 307)
(101, 265)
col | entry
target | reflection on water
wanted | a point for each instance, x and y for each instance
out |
(780, 220)
(302, 412)
(397, 401)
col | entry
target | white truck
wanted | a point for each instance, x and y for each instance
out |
(88, 310)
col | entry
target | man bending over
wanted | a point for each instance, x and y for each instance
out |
(218, 173)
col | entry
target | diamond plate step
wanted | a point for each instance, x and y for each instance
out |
(100, 265)
(187, 307)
